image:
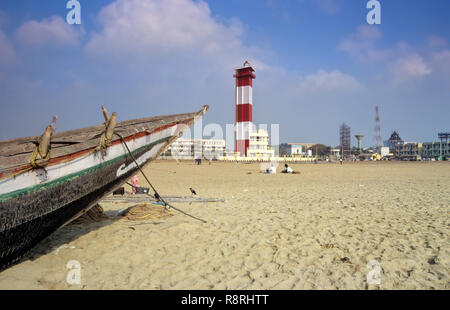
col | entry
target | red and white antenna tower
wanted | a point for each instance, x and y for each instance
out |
(378, 139)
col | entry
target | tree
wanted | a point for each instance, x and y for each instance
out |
(354, 151)
(320, 150)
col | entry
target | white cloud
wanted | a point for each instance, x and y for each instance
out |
(361, 45)
(134, 27)
(184, 36)
(328, 6)
(436, 42)
(442, 57)
(410, 66)
(398, 63)
(168, 42)
(441, 62)
(328, 81)
(53, 30)
(7, 54)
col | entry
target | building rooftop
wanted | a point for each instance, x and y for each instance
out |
(259, 132)
(302, 143)
(246, 65)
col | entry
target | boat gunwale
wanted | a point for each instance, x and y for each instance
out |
(7, 173)
(34, 188)
(97, 128)
(121, 127)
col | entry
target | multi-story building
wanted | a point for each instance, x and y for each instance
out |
(213, 148)
(436, 150)
(291, 149)
(295, 148)
(196, 148)
(393, 141)
(259, 146)
(409, 150)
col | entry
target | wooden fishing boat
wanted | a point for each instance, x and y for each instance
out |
(47, 181)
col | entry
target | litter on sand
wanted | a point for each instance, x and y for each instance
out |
(65, 246)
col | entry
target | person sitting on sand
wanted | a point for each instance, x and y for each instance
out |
(271, 170)
(287, 169)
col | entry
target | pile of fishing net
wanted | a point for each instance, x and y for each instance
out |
(146, 211)
(94, 214)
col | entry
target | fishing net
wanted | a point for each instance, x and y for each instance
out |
(95, 214)
(146, 211)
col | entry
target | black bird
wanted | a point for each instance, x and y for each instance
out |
(192, 191)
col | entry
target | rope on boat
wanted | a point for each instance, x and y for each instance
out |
(41, 153)
(110, 125)
(156, 195)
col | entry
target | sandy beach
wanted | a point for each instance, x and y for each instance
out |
(313, 230)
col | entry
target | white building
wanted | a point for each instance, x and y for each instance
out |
(335, 153)
(259, 145)
(291, 149)
(296, 149)
(213, 148)
(194, 148)
(384, 151)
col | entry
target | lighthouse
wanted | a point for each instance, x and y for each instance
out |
(244, 102)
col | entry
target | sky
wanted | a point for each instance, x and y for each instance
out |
(318, 64)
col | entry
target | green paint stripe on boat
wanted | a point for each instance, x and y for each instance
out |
(38, 187)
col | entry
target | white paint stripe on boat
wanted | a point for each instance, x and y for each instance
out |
(52, 173)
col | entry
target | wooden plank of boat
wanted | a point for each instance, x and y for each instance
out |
(145, 198)
(34, 202)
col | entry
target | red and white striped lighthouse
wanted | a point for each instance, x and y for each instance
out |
(244, 102)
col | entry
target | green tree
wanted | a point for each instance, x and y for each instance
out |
(320, 150)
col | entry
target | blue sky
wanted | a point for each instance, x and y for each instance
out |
(318, 64)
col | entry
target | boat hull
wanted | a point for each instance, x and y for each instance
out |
(34, 207)
(18, 240)
(35, 202)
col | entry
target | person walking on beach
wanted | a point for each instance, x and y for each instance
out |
(135, 182)
(198, 160)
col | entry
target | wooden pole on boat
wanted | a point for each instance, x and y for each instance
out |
(105, 114)
(109, 131)
(44, 142)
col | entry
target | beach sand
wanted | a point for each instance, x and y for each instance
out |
(314, 230)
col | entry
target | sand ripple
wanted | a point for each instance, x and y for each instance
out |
(315, 230)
